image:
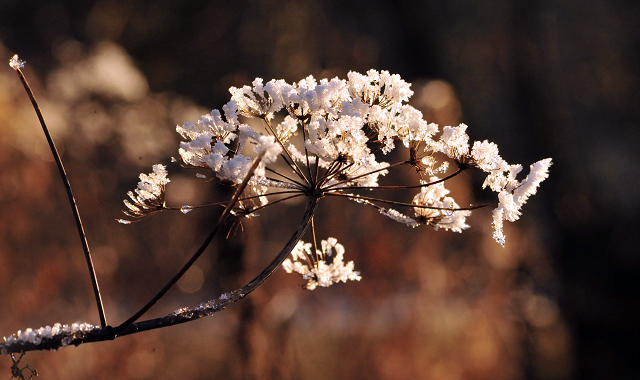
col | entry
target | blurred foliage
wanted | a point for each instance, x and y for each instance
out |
(555, 78)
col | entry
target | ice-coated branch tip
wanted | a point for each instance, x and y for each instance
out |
(16, 63)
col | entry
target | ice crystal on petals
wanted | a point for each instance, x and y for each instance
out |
(149, 196)
(437, 209)
(332, 137)
(379, 88)
(16, 63)
(538, 172)
(270, 147)
(317, 271)
(259, 100)
(514, 194)
(399, 217)
(486, 157)
(454, 142)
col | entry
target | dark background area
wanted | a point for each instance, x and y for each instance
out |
(541, 79)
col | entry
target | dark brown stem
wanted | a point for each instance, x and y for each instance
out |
(179, 316)
(192, 260)
(72, 201)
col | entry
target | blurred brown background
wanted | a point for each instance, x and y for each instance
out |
(543, 79)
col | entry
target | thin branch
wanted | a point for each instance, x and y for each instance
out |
(72, 201)
(337, 184)
(460, 170)
(372, 199)
(183, 270)
(283, 176)
(274, 202)
(294, 166)
(88, 335)
(181, 208)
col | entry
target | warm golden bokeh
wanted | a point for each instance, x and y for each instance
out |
(113, 77)
(431, 305)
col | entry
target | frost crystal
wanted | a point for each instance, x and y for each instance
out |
(149, 197)
(317, 271)
(62, 334)
(16, 63)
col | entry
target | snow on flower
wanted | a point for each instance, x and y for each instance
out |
(332, 137)
(317, 271)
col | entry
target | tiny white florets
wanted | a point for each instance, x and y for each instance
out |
(332, 134)
(149, 196)
(317, 271)
(437, 209)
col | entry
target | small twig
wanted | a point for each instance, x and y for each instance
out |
(72, 201)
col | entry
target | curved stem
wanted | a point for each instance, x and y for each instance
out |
(72, 201)
(179, 316)
(183, 270)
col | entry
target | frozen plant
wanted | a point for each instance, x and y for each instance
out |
(331, 138)
(334, 136)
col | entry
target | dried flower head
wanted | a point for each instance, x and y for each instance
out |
(149, 197)
(347, 127)
(315, 268)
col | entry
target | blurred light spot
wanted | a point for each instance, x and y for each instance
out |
(184, 191)
(282, 306)
(436, 94)
(115, 74)
(192, 281)
(438, 100)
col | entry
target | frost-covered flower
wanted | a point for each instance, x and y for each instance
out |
(332, 138)
(149, 197)
(379, 88)
(454, 142)
(317, 270)
(515, 194)
(435, 208)
(258, 100)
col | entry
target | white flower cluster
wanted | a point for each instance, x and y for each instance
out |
(317, 271)
(512, 194)
(149, 196)
(65, 333)
(346, 127)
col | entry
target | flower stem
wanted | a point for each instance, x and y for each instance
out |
(128, 328)
(72, 201)
(192, 260)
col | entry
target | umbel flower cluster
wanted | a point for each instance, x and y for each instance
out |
(333, 137)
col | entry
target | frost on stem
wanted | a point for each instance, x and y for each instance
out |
(57, 336)
(16, 63)
(347, 127)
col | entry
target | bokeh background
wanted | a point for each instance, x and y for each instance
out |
(541, 79)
